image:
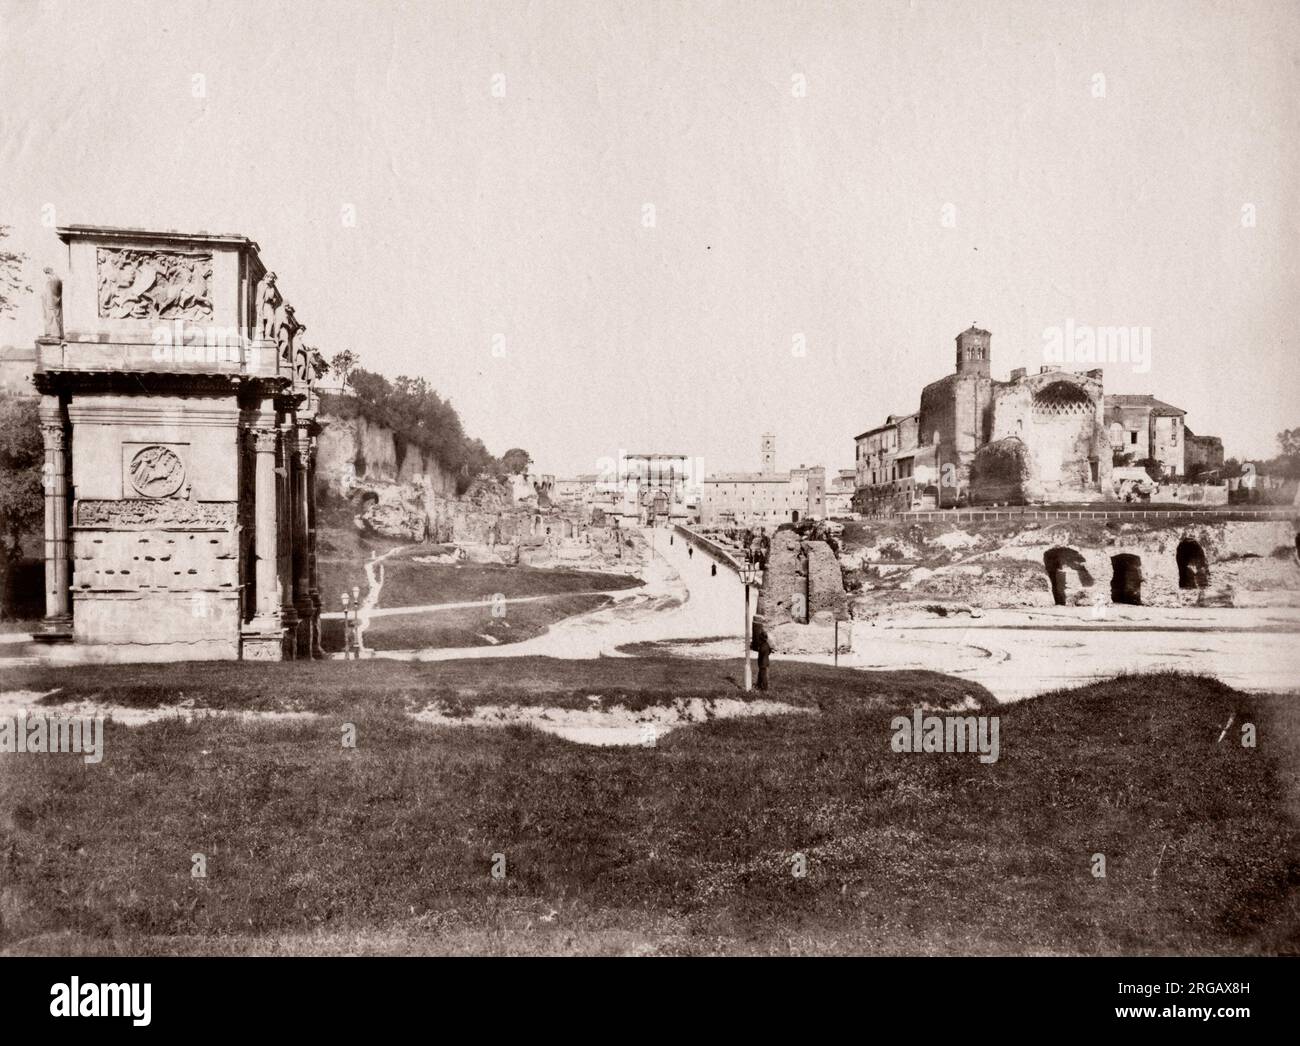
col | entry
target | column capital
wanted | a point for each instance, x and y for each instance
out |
(265, 438)
(55, 434)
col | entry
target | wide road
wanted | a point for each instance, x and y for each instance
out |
(682, 599)
(1019, 653)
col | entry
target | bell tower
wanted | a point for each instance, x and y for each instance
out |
(973, 352)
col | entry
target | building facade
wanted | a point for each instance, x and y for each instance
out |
(840, 489)
(1144, 428)
(894, 472)
(763, 498)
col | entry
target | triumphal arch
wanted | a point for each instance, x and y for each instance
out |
(179, 415)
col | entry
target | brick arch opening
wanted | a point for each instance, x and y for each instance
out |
(1193, 570)
(1058, 562)
(1126, 579)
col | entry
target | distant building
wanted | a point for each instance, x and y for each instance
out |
(1050, 436)
(839, 492)
(16, 366)
(1144, 427)
(1204, 454)
(893, 470)
(766, 497)
(577, 492)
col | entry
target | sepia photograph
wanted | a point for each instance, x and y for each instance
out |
(731, 479)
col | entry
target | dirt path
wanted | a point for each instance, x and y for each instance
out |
(431, 608)
(1022, 653)
(681, 599)
(375, 585)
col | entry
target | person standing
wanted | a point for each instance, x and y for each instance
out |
(761, 645)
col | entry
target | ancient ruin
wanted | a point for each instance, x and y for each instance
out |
(179, 417)
(1034, 438)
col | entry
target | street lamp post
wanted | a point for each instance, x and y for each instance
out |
(748, 576)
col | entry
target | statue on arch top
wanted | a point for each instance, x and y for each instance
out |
(52, 304)
(268, 304)
(286, 326)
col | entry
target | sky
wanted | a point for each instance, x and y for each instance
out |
(670, 227)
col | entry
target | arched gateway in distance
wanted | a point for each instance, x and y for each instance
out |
(179, 418)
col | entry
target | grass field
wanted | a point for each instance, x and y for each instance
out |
(408, 582)
(685, 847)
(466, 626)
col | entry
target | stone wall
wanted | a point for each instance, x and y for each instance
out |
(802, 596)
(1002, 564)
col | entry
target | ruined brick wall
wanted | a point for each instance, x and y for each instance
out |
(1058, 416)
(825, 581)
(1003, 473)
(784, 582)
(1205, 451)
(802, 579)
(959, 408)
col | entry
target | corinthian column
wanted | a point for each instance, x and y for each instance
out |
(313, 577)
(301, 521)
(265, 534)
(58, 604)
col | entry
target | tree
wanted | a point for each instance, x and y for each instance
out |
(11, 275)
(1288, 461)
(343, 363)
(516, 461)
(418, 416)
(22, 500)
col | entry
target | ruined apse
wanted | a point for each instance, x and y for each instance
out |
(178, 411)
(1032, 438)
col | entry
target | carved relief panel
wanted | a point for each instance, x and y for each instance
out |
(139, 284)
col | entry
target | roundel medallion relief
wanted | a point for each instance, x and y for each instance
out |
(157, 472)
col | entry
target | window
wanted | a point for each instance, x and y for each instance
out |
(1132, 437)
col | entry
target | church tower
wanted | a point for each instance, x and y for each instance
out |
(973, 352)
(769, 453)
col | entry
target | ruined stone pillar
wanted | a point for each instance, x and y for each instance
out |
(58, 596)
